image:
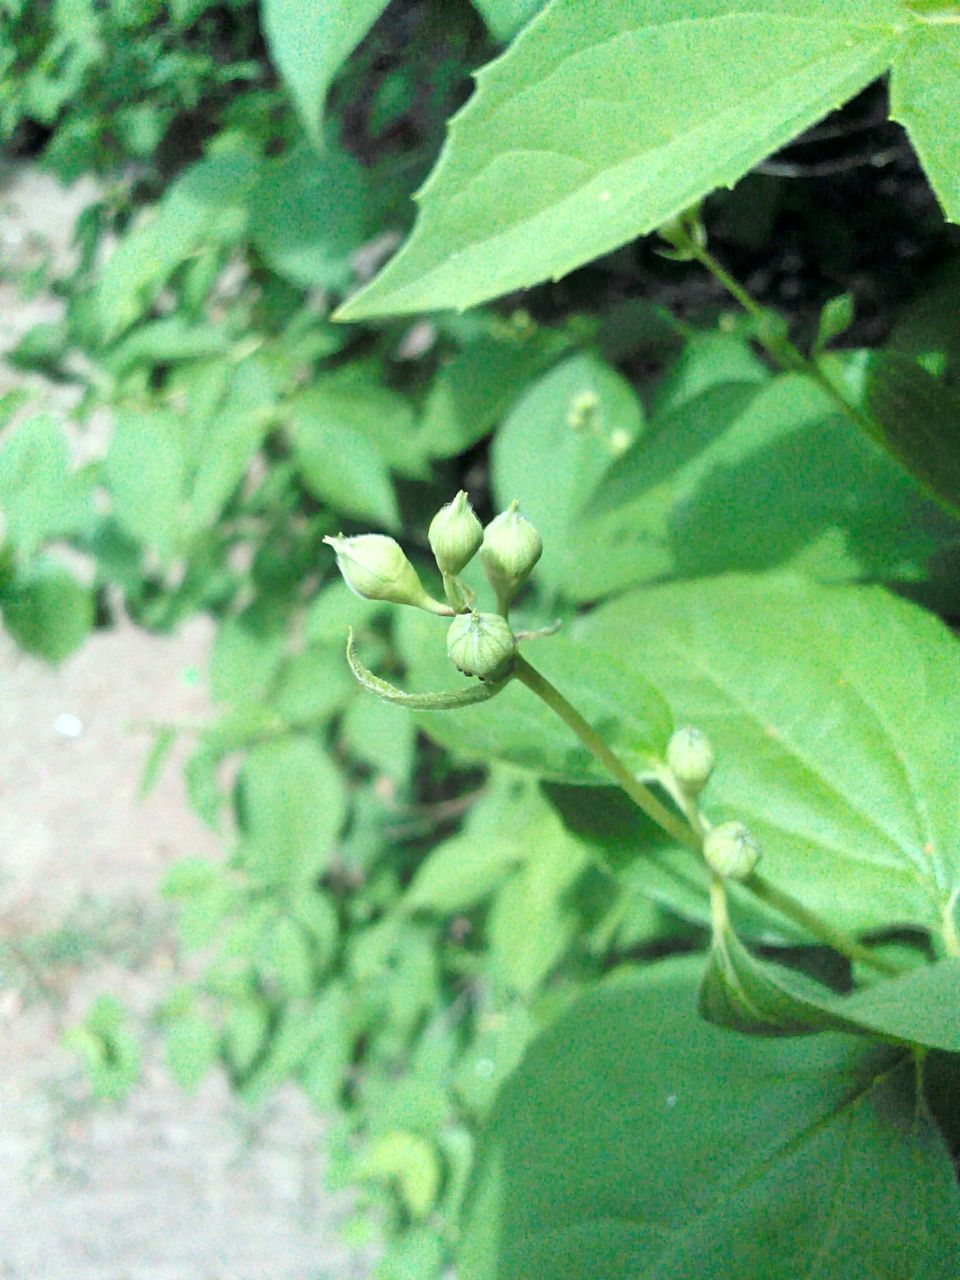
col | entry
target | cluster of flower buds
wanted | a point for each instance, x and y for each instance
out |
(479, 644)
(729, 849)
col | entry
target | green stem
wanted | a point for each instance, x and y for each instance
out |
(788, 905)
(644, 798)
(780, 349)
(640, 794)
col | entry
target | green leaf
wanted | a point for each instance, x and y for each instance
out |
(308, 40)
(505, 829)
(923, 97)
(192, 1045)
(411, 1163)
(344, 469)
(293, 806)
(749, 476)
(287, 957)
(554, 448)
(207, 204)
(635, 1141)
(309, 213)
(918, 417)
(477, 386)
(39, 498)
(741, 991)
(504, 18)
(380, 737)
(47, 611)
(375, 414)
(834, 712)
(247, 652)
(146, 469)
(527, 189)
(517, 728)
(531, 923)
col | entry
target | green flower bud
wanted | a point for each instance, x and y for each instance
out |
(481, 644)
(511, 547)
(374, 567)
(731, 851)
(690, 759)
(455, 535)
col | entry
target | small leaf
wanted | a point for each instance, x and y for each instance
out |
(409, 1161)
(192, 1047)
(46, 610)
(836, 317)
(39, 498)
(308, 40)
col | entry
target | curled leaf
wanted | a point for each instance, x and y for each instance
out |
(446, 700)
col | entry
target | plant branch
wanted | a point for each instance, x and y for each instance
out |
(640, 794)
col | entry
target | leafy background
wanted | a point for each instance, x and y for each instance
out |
(403, 905)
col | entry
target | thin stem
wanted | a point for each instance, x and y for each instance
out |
(644, 798)
(640, 794)
(788, 905)
(780, 348)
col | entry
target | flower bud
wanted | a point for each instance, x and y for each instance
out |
(481, 644)
(375, 567)
(731, 851)
(690, 759)
(455, 535)
(511, 547)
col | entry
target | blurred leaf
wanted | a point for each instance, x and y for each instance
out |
(293, 806)
(411, 1163)
(310, 212)
(836, 317)
(372, 414)
(308, 40)
(381, 736)
(46, 610)
(109, 1050)
(344, 469)
(39, 497)
(163, 740)
(247, 652)
(192, 1045)
(288, 957)
(146, 469)
(506, 17)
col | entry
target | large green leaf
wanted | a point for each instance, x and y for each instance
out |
(924, 90)
(308, 40)
(146, 470)
(637, 1142)
(749, 476)
(600, 122)
(835, 715)
(344, 469)
(516, 727)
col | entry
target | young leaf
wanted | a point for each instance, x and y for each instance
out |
(689, 1153)
(834, 713)
(527, 188)
(308, 40)
(46, 610)
(739, 990)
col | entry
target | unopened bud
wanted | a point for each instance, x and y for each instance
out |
(690, 759)
(455, 535)
(375, 567)
(481, 644)
(511, 547)
(731, 851)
